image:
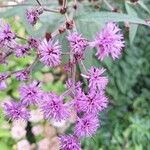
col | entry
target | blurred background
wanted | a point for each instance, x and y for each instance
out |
(125, 125)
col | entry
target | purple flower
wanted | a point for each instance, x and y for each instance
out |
(33, 43)
(79, 99)
(22, 75)
(54, 108)
(6, 35)
(21, 50)
(3, 84)
(93, 102)
(86, 126)
(33, 15)
(69, 142)
(50, 53)
(30, 94)
(69, 85)
(16, 110)
(78, 44)
(68, 67)
(96, 78)
(109, 42)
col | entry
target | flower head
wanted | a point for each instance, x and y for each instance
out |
(54, 108)
(22, 75)
(6, 35)
(78, 44)
(30, 94)
(93, 102)
(96, 78)
(21, 50)
(33, 15)
(78, 99)
(86, 126)
(16, 111)
(33, 43)
(49, 53)
(69, 142)
(109, 42)
(69, 84)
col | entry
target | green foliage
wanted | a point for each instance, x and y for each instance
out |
(126, 124)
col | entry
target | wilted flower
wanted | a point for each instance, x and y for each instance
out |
(49, 53)
(54, 107)
(69, 142)
(78, 44)
(16, 111)
(96, 78)
(109, 42)
(86, 126)
(30, 94)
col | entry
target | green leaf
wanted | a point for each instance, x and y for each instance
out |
(3, 146)
(4, 133)
(110, 16)
(37, 67)
(132, 32)
(130, 10)
(133, 27)
(10, 12)
(141, 3)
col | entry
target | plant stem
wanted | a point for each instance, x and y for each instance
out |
(64, 3)
(38, 2)
(51, 10)
(83, 66)
(108, 5)
(22, 38)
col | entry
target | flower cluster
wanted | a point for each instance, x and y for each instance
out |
(49, 53)
(33, 15)
(109, 42)
(6, 35)
(86, 103)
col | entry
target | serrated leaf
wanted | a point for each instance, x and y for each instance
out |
(110, 16)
